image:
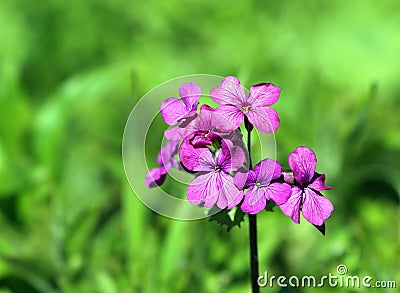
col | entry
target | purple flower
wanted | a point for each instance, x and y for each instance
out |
(306, 190)
(236, 104)
(166, 161)
(155, 177)
(214, 184)
(263, 186)
(208, 126)
(181, 111)
(205, 128)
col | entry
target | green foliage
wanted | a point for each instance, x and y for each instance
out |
(70, 71)
(230, 219)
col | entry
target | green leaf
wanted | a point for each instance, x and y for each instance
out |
(227, 218)
(269, 207)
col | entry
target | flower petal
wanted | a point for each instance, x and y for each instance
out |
(204, 188)
(264, 119)
(267, 170)
(189, 117)
(175, 164)
(178, 133)
(316, 208)
(292, 207)
(245, 179)
(196, 159)
(236, 137)
(202, 139)
(254, 201)
(173, 110)
(273, 118)
(231, 114)
(264, 94)
(318, 183)
(204, 120)
(173, 134)
(214, 188)
(155, 177)
(166, 155)
(303, 161)
(278, 192)
(190, 93)
(288, 177)
(229, 92)
(230, 158)
(210, 120)
(229, 195)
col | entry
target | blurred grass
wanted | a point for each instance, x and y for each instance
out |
(71, 71)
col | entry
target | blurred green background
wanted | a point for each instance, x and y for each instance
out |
(71, 71)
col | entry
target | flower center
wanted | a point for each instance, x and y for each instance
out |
(246, 109)
(206, 135)
(217, 168)
(258, 184)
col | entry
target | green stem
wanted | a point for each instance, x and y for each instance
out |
(252, 224)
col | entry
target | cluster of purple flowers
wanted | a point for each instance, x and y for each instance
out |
(209, 143)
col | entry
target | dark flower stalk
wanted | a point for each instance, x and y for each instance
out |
(252, 223)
